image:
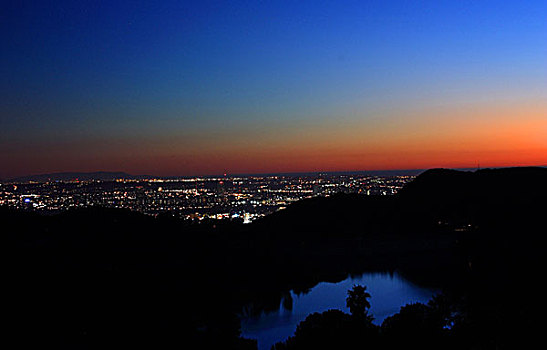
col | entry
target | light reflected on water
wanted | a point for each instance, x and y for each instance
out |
(388, 293)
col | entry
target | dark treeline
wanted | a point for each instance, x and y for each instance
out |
(97, 277)
(431, 326)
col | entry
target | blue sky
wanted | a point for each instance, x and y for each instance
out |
(113, 70)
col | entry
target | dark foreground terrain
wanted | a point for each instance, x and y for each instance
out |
(98, 278)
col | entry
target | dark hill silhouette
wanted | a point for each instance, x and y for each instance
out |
(448, 185)
(438, 200)
(90, 277)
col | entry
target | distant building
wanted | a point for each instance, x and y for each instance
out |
(317, 189)
(221, 187)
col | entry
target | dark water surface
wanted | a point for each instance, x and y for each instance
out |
(388, 293)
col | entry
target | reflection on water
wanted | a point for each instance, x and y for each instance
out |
(389, 292)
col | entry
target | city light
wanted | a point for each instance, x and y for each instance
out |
(228, 198)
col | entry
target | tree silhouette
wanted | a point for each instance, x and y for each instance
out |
(357, 302)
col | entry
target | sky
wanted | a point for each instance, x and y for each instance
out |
(207, 87)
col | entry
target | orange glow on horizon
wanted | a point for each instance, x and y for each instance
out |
(463, 138)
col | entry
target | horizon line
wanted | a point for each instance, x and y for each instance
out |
(288, 173)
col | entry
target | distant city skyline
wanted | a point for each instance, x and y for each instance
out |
(184, 88)
(244, 198)
(112, 175)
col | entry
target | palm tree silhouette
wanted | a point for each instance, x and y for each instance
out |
(357, 302)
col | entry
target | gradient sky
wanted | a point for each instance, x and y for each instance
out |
(206, 87)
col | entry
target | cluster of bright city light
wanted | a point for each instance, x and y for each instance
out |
(234, 198)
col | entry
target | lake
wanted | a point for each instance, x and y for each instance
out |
(388, 293)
